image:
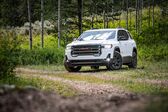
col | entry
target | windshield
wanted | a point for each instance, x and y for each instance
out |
(97, 35)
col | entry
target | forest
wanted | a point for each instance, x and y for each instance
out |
(33, 38)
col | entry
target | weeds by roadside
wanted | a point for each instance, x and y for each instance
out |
(40, 83)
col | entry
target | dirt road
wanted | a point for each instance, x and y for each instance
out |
(95, 95)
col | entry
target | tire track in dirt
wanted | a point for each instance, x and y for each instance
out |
(85, 87)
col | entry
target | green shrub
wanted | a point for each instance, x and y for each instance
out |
(41, 56)
(9, 50)
(154, 52)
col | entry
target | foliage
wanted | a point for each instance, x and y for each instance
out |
(9, 51)
(154, 52)
(50, 54)
(152, 43)
(40, 83)
(41, 56)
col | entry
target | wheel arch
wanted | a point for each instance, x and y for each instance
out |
(134, 50)
(117, 49)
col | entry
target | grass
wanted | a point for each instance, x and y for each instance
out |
(128, 84)
(141, 87)
(40, 83)
(126, 78)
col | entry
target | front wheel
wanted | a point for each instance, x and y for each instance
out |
(116, 62)
(72, 69)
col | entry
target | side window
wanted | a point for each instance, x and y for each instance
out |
(122, 35)
(125, 35)
(119, 34)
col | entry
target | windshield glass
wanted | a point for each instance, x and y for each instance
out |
(97, 35)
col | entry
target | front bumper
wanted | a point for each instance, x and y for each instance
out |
(88, 62)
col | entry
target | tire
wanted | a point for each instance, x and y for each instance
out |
(133, 63)
(71, 69)
(95, 67)
(116, 62)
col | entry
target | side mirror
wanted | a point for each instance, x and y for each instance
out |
(74, 39)
(121, 38)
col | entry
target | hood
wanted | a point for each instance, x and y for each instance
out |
(90, 42)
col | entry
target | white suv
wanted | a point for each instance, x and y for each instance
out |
(101, 47)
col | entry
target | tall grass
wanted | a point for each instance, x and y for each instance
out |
(45, 56)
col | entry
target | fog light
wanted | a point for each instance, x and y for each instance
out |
(108, 59)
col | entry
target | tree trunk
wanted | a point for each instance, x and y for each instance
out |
(141, 20)
(130, 18)
(153, 6)
(107, 20)
(136, 21)
(42, 23)
(92, 21)
(59, 22)
(104, 19)
(137, 16)
(119, 24)
(148, 13)
(113, 12)
(80, 10)
(30, 25)
(127, 16)
(92, 15)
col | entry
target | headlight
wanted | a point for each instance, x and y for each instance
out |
(68, 47)
(107, 46)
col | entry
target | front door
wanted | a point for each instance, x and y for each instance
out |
(123, 41)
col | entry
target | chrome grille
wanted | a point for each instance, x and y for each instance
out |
(82, 50)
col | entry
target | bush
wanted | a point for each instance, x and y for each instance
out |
(9, 50)
(41, 56)
(154, 52)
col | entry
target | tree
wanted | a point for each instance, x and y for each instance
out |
(92, 14)
(80, 8)
(30, 25)
(141, 8)
(9, 53)
(42, 23)
(153, 15)
(59, 19)
(127, 15)
(149, 13)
